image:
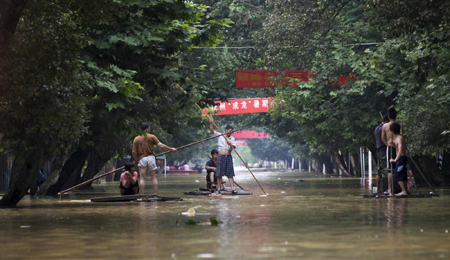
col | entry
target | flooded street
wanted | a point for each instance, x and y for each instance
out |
(319, 218)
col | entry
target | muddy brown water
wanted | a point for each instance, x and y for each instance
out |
(320, 218)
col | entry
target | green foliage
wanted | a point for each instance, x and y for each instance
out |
(269, 149)
(191, 222)
(87, 73)
(214, 221)
(321, 116)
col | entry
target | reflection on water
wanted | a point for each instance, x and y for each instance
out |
(320, 218)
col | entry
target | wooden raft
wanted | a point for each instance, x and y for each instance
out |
(382, 196)
(203, 191)
(139, 197)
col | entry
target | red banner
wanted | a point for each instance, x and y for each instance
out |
(241, 142)
(246, 134)
(264, 78)
(242, 106)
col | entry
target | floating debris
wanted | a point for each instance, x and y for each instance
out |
(191, 222)
(214, 221)
(206, 256)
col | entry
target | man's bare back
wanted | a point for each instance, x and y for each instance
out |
(386, 134)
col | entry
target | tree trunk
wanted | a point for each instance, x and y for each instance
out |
(70, 170)
(95, 164)
(356, 165)
(340, 163)
(52, 178)
(304, 165)
(446, 166)
(326, 159)
(319, 163)
(23, 175)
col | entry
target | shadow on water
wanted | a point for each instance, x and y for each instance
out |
(318, 218)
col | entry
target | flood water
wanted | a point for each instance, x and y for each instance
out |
(320, 218)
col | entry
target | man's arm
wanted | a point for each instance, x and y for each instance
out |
(126, 181)
(211, 128)
(231, 143)
(132, 178)
(165, 147)
(399, 147)
(210, 168)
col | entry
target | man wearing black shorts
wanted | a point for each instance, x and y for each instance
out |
(386, 138)
(224, 161)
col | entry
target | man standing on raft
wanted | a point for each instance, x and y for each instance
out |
(400, 173)
(144, 156)
(224, 160)
(386, 138)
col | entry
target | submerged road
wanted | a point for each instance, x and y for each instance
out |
(320, 218)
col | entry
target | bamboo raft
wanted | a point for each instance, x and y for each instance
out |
(382, 196)
(207, 192)
(137, 198)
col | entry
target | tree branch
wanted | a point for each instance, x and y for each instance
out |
(240, 1)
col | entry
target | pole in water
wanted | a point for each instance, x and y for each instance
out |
(423, 176)
(123, 167)
(392, 173)
(203, 112)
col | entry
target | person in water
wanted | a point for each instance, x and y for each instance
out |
(400, 172)
(224, 160)
(144, 156)
(386, 136)
(129, 184)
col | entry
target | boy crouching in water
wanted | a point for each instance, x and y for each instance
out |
(400, 172)
(128, 180)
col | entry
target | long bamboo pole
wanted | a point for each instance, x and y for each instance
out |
(423, 176)
(121, 168)
(225, 138)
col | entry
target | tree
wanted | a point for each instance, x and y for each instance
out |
(76, 71)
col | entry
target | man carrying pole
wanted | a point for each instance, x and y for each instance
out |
(226, 144)
(144, 156)
(210, 121)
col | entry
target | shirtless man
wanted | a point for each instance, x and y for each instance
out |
(224, 160)
(400, 173)
(386, 136)
(144, 156)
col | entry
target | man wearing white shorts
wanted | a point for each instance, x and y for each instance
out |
(144, 156)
